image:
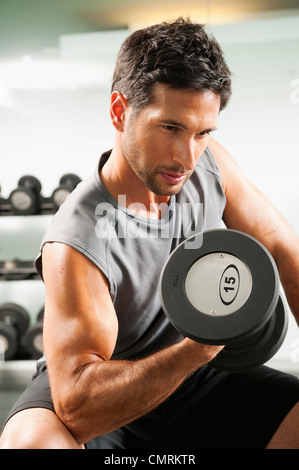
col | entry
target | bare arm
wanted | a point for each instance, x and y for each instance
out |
(93, 395)
(249, 211)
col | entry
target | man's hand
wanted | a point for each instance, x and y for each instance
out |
(201, 353)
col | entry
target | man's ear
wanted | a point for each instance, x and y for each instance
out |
(118, 107)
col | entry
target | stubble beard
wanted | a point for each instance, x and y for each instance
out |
(149, 178)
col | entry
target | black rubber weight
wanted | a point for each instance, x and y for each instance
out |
(259, 323)
(14, 321)
(25, 198)
(30, 181)
(221, 329)
(8, 341)
(16, 315)
(260, 348)
(33, 340)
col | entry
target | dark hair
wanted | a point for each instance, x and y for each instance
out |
(179, 53)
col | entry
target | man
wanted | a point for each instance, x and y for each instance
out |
(120, 375)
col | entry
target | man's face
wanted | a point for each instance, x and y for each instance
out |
(164, 140)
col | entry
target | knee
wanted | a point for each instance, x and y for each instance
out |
(16, 440)
(36, 429)
(14, 437)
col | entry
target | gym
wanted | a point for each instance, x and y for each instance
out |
(56, 65)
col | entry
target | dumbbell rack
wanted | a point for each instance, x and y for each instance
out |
(20, 331)
(46, 206)
(18, 326)
(17, 270)
(34, 203)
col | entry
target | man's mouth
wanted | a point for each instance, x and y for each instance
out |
(173, 178)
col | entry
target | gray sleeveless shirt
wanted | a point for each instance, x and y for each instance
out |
(131, 249)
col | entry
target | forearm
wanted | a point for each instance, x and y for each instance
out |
(105, 395)
(285, 251)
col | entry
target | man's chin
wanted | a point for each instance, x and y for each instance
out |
(164, 189)
(167, 192)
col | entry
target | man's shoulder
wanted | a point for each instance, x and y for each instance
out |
(207, 162)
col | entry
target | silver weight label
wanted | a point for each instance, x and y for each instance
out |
(218, 284)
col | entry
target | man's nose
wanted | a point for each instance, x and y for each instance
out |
(185, 154)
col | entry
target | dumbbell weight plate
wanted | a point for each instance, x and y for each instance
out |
(60, 194)
(258, 349)
(24, 199)
(40, 315)
(30, 181)
(70, 179)
(9, 341)
(67, 184)
(16, 315)
(33, 340)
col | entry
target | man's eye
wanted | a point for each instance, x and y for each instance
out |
(170, 128)
(204, 133)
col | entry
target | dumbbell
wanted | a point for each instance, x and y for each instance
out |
(17, 270)
(25, 198)
(33, 338)
(67, 184)
(226, 291)
(14, 321)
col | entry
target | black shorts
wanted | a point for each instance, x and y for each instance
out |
(211, 410)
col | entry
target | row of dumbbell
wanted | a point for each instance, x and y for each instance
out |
(27, 199)
(17, 337)
(17, 270)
